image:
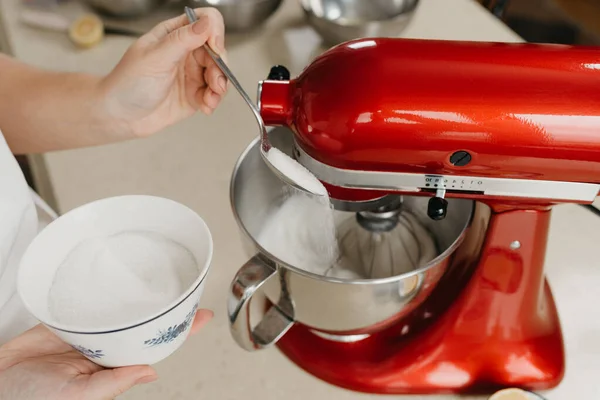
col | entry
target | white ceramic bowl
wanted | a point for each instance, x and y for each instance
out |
(150, 338)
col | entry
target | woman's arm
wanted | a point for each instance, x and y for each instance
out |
(165, 76)
(44, 111)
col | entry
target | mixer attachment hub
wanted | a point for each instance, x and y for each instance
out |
(382, 219)
(378, 222)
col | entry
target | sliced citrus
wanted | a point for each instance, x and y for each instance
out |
(86, 31)
(510, 394)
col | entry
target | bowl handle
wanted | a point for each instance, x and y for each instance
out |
(274, 324)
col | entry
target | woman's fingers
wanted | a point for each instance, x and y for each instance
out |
(202, 318)
(110, 383)
(194, 74)
(211, 99)
(204, 109)
(215, 79)
(213, 75)
(175, 41)
(181, 42)
(162, 30)
(203, 98)
(177, 38)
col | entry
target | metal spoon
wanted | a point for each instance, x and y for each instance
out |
(264, 137)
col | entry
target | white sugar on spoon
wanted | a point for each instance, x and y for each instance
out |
(296, 172)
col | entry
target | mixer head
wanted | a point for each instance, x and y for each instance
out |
(379, 116)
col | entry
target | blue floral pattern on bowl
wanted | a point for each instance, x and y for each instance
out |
(173, 332)
(93, 354)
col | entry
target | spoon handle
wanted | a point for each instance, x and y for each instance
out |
(225, 69)
(265, 145)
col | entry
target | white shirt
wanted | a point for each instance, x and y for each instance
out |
(19, 224)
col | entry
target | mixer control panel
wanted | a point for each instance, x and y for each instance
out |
(502, 187)
(453, 183)
(411, 182)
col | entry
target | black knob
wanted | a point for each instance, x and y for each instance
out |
(279, 73)
(436, 209)
(460, 158)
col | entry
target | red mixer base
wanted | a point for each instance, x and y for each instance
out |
(502, 331)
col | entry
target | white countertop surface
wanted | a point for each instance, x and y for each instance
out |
(192, 162)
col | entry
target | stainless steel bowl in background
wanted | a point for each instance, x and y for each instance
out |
(330, 306)
(125, 8)
(240, 15)
(339, 21)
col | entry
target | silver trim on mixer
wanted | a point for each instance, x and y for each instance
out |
(410, 182)
(259, 95)
(341, 338)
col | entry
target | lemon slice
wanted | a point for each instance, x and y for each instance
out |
(513, 394)
(87, 31)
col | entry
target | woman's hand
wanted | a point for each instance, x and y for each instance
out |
(38, 365)
(164, 77)
(167, 75)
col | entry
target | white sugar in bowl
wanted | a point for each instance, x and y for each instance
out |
(148, 337)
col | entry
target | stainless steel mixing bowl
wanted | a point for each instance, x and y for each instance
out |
(125, 8)
(240, 15)
(338, 21)
(324, 304)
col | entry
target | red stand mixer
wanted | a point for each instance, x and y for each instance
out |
(513, 127)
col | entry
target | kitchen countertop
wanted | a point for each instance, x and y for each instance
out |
(192, 162)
